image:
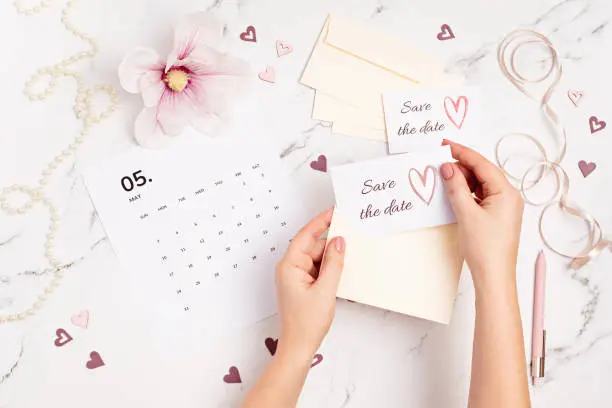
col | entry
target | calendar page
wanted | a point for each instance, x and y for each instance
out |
(199, 227)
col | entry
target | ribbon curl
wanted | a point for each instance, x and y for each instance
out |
(507, 58)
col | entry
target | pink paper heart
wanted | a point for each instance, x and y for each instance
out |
(62, 338)
(317, 360)
(596, 125)
(586, 168)
(456, 111)
(233, 377)
(271, 345)
(320, 164)
(575, 96)
(446, 33)
(420, 187)
(81, 319)
(283, 48)
(269, 75)
(95, 360)
(249, 35)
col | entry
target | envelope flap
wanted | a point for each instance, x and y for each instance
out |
(381, 50)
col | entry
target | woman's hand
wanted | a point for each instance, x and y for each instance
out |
(307, 291)
(306, 300)
(490, 225)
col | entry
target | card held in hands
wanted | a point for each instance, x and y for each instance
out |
(396, 193)
(422, 117)
(402, 242)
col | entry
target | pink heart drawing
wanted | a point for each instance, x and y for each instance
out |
(271, 345)
(283, 48)
(269, 75)
(446, 33)
(233, 377)
(62, 338)
(575, 96)
(456, 110)
(596, 125)
(423, 191)
(81, 319)
(249, 35)
(316, 360)
(95, 360)
(586, 168)
(320, 164)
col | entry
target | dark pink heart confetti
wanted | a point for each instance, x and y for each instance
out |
(62, 338)
(271, 345)
(320, 164)
(233, 377)
(596, 125)
(95, 360)
(249, 35)
(586, 168)
(317, 360)
(446, 33)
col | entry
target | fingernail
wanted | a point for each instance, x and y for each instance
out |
(446, 142)
(447, 171)
(339, 244)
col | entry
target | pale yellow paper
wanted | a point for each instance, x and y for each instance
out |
(414, 273)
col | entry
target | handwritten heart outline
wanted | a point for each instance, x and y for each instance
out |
(423, 178)
(456, 106)
(316, 360)
(446, 33)
(250, 35)
(62, 338)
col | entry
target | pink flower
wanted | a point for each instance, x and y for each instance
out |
(194, 86)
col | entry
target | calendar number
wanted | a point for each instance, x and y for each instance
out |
(137, 180)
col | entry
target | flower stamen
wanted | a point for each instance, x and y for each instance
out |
(177, 80)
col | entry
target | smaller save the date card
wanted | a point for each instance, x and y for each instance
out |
(422, 117)
(396, 193)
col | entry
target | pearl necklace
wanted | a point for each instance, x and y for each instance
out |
(84, 111)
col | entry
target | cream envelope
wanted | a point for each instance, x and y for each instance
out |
(414, 273)
(356, 65)
(330, 109)
(352, 129)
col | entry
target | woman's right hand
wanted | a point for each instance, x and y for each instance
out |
(490, 224)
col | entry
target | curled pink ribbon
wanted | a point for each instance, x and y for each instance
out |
(507, 58)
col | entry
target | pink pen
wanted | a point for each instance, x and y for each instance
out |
(538, 340)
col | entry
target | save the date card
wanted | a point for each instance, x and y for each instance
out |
(395, 193)
(422, 117)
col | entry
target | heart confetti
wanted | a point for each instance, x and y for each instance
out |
(317, 360)
(269, 75)
(233, 377)
(283, 48)
(320, 164)
(575, 96)
(62, 338)
(446, 33)
(249, 35)
(586, 168)
(596, 125)
(271, 345)
(95, 361)
(81, 319)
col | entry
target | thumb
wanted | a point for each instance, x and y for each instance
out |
(332, 265)
(458, 190)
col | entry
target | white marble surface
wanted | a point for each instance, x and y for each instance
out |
(372, 358)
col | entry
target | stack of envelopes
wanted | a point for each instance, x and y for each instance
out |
(415, 272)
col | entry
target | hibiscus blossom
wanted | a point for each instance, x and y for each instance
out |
(194, 86)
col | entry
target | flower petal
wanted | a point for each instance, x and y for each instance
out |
(152, 87)
(175, 111)
(193, 31)
(147, 131)
(135, 64)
